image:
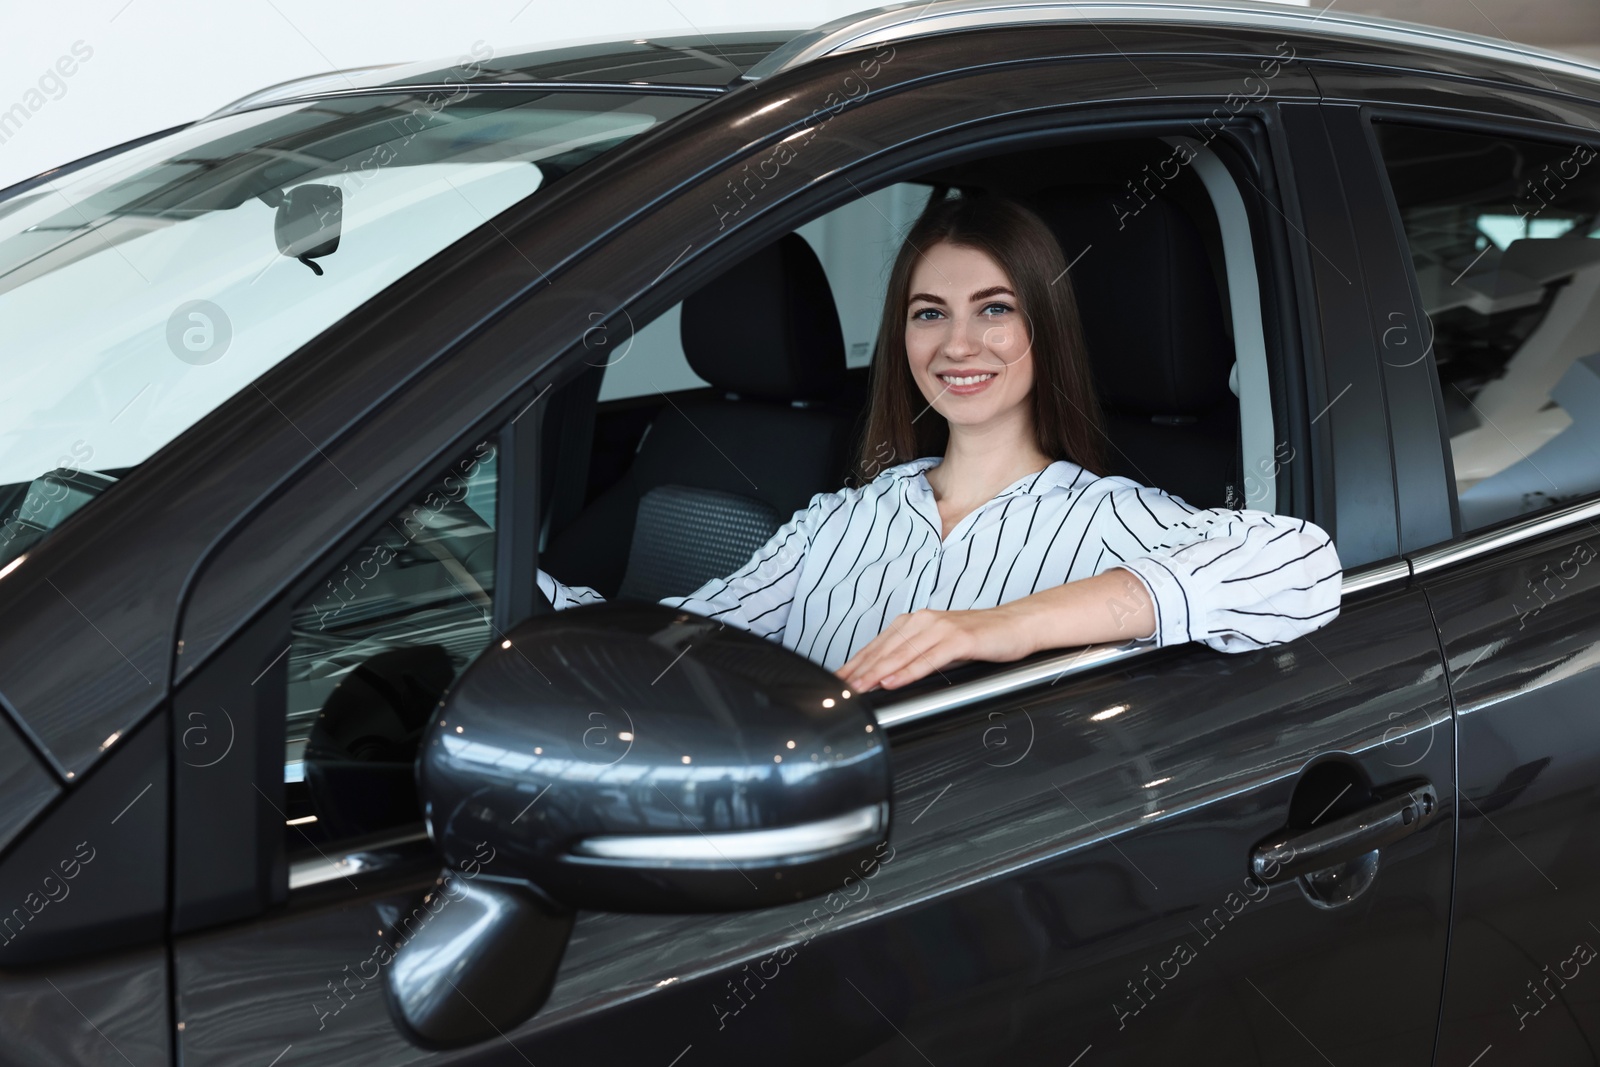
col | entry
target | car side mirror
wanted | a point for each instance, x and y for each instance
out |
(633, 757)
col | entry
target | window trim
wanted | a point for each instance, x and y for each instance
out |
(1514, 531)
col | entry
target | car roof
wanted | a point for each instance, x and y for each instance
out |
(905, 21)
(704, 63)
(711, 64)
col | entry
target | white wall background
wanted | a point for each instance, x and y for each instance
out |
(156, 63)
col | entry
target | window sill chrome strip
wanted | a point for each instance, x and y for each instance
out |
(910, 20)
(456, 87)
(1477, 545)
(374, 856)
(916, 709)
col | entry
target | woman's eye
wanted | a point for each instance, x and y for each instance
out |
(996, 306)
(918, 315)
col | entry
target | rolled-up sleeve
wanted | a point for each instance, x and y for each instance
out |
(1234, 580)
(758, 595)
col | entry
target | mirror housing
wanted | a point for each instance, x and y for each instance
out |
(308, 222)
(633, 757)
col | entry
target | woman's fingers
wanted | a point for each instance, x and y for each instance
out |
(860, 670)
(920, 643)
(907, 650)
(914, 665)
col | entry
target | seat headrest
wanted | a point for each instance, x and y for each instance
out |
(1151, 314)
(767, 327)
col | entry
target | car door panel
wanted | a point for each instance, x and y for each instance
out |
(1529, 760)
(1034, 872)
(106, 1012)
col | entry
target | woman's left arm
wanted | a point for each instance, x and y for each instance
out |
(1234, 580)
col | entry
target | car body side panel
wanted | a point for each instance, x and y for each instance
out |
(1410, 384)
(106, 1012)
(27, 786)
(1349, 426)
(83, 964)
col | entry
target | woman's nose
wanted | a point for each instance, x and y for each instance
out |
(964, 339)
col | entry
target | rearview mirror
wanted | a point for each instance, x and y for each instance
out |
(633, 757)
(308, 222)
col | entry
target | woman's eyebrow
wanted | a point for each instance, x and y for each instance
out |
(929, 297)
(993, 290)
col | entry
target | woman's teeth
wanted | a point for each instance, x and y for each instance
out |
(969, 380)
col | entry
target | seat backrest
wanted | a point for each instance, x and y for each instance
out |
(766, 332)
(1158, 349)
(683, 537)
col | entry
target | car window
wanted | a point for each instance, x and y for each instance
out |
(372, 648)
(669, 452)
(142, 291)
(856, 243)
(1502, 233)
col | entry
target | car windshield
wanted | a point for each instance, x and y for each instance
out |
(140, 292)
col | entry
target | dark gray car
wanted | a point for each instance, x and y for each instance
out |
(296, 765)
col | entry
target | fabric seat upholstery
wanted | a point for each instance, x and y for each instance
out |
(1152, 319)
(766, 333)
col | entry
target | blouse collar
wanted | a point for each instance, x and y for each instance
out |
(1061, 473)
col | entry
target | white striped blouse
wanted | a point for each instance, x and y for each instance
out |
(836, 574)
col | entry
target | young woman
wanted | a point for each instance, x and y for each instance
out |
(1004, 536)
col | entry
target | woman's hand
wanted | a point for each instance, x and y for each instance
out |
(916, 645)
(1111, 606)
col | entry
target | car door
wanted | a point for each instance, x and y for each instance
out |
(1072, 835)
(1503, 284)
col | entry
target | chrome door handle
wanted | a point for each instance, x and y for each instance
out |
(1343, 839)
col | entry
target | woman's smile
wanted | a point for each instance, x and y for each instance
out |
(966, 385)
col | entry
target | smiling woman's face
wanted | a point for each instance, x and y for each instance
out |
(966, 338)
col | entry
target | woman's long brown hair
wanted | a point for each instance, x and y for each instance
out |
(1067, 420)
